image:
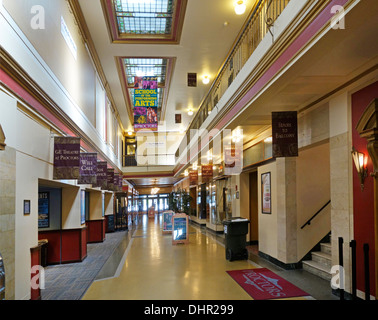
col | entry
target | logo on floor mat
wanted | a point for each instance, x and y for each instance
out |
(264, 283)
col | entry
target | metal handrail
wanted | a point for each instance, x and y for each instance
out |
(320, 210)
(258, 25)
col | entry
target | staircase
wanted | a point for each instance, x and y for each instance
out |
(321, 262)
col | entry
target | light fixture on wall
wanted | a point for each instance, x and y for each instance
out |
(190, 112)
(360, 162)
(240, 7)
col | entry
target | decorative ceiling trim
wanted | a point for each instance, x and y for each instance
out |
(116, 37)
(171, 61)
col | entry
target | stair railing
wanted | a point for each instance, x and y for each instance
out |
(320, 210)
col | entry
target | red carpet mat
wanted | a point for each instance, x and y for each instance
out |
(263, 284)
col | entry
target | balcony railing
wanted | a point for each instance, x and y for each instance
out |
(261, 20)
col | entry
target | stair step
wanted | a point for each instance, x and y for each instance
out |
(318, 269)
(326, 247)
(322, 258)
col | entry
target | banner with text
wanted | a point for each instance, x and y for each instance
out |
(101, 175)
(285, 134)
(88, 168)
(193, 177)
(207, 172)
(66, 158)
(145, 103)
(110, 175)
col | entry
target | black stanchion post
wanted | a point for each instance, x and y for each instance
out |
(354, 277)
(367, 274)
(341, 264)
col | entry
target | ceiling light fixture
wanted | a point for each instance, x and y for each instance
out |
(206, 80)
(240, 7)
(190, 112)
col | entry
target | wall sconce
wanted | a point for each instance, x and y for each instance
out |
(190, 112)
(240, 7)
(360, 161)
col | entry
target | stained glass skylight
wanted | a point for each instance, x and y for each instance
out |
(144, 17)
(140, 67)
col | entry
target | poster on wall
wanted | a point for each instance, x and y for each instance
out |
(88, 168)
(266, 203)
(43, 209)
(103, 204)
(180, 229)
(145, 103)
(285, 134)
(82, 206)
(66, 158)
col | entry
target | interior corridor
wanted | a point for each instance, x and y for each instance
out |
(154, 269)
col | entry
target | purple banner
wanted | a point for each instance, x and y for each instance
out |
(116, 181)
(110, 178)
(101, 175)
(88, 168)
(66, 158)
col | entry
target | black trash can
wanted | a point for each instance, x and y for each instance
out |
(43, 244)
(235, 230)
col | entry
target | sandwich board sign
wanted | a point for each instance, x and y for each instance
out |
(180, 229)
(167, 221)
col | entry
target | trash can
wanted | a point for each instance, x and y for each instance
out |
(43, 244)
(235, 230)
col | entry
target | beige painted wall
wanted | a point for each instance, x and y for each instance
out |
(76, 75)
(313, 191)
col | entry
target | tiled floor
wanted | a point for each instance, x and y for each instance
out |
(142, 264)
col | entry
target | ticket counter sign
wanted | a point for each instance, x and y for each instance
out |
(167, 221)
(180, 229)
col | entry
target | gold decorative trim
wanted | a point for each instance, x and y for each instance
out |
(2, 139)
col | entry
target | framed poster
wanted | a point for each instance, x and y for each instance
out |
(180, 229)
(266, 203)
(167, 221)
(82, 206)
(43, 209)
(26, 207)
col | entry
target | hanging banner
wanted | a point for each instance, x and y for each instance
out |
(193, 177)
(145, 103)
(285, 134)
(101, 175)
(66, 158)
(207, 172)
(116, 181)
(120, 184)
(88, 168)
(110, 178)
